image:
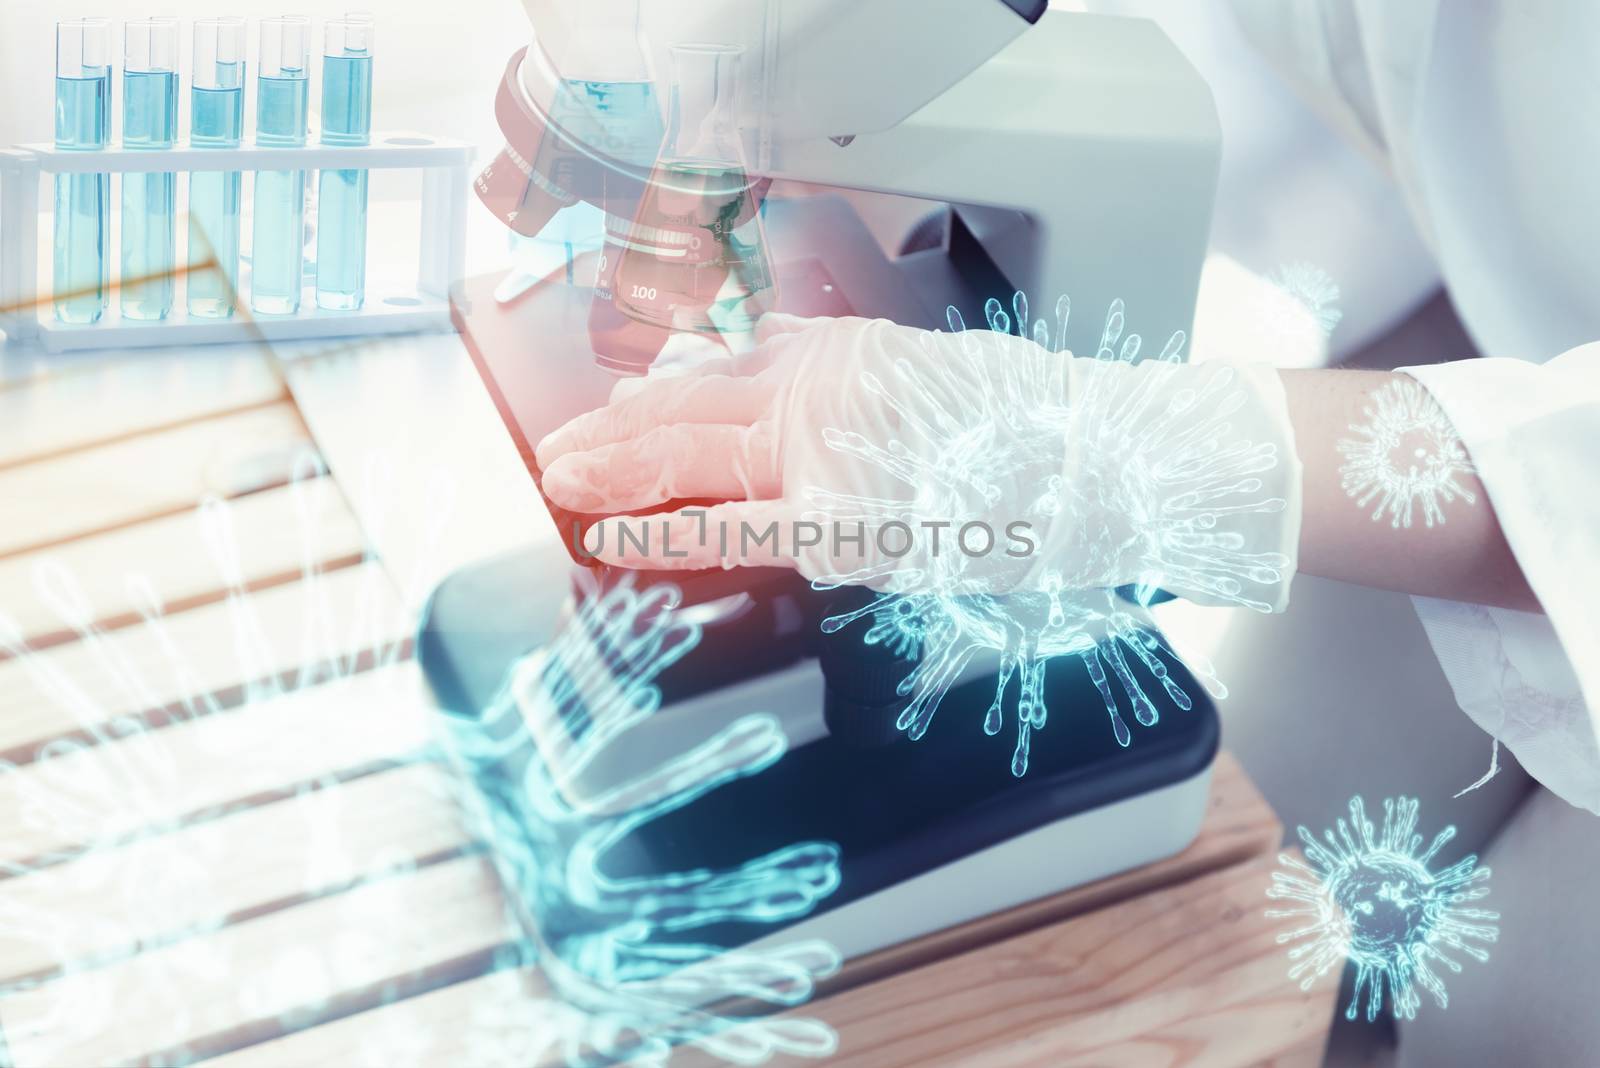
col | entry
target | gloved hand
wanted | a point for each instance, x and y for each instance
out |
(979, 461)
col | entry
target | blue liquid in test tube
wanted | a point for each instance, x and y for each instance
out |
(216, 120)
(282, 93)
(342, 195)
(81, 266)
(149, 200)
(617, 118)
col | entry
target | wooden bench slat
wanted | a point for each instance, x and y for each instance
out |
(1239, 828)
(494, 1019)
(110, 399)
(104, 793)
(172, 555)
(113, 901)
(1192, 974)
(1239, 825)
(146, 476)
(249, 982)
(276, 948)
(357, 604)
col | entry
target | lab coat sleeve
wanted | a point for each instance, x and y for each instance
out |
(1532, 680)
(1360, 65)
(1317, 47)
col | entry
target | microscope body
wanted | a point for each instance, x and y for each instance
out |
(1078, 155)
(1081, 159)
(809, 68)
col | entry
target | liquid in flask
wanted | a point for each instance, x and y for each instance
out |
(695, 255)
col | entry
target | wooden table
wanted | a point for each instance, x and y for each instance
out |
(277, 876)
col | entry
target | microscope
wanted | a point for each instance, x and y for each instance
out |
(1055, 152)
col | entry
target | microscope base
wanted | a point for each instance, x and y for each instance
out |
(1074, 851)
(932, 833)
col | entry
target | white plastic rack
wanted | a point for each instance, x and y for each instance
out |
(27, 311)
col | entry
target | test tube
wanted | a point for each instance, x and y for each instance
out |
(149, 200)
(342, 195)
(282, 96)
(216, 121)
(81, 266)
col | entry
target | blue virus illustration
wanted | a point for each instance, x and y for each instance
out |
(900, 624)
(1407, 457)
(116, 844)
(1371, 899)
(1313, 292)
(1100, 629)
(552, 815)
(990, 433)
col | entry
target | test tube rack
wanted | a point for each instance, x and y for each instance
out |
(27, 311)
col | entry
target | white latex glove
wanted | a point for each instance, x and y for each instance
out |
(1089, 472)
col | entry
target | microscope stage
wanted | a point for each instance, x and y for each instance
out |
(932, 833)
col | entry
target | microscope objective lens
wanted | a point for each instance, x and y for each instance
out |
(695, 257)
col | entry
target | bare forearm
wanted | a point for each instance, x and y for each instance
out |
(1461, 557)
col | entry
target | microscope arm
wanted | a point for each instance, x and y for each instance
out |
(1084, 157)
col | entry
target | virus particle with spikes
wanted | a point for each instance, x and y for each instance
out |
(1371, 898)
(1406, 457)
(1104, 633)
(1314, 293)
(612, 946)
(981, 434)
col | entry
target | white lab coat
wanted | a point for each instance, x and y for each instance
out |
(1487, 115)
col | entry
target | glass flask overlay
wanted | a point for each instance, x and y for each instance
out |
(695, 255)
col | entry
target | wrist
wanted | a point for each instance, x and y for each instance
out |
(1186, 479)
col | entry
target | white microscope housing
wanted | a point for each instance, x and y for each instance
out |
(790, 83)
(1080, 151)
